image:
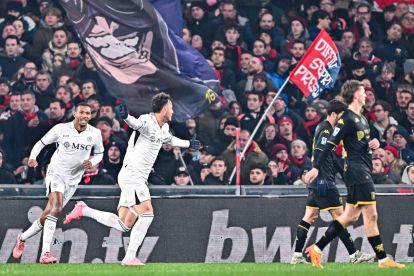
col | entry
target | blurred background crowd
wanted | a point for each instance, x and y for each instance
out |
(252, 45)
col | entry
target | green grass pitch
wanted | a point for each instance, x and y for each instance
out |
(335, 269)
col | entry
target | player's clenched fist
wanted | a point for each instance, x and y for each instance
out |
(32, 163)
(87, 164)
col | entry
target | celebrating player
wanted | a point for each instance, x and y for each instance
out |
(75, 142)
(323, 193)
(135, 199)
(353, 129)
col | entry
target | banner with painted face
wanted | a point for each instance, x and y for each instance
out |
(137, 55)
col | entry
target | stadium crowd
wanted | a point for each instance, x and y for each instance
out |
(252, 46)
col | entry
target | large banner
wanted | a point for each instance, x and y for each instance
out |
(318, 68)
(137, 55)
(204, 230)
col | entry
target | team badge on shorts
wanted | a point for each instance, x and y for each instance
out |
(141, 193)
(373, 195)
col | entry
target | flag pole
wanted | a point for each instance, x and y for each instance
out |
(185, 167)
(258, 126)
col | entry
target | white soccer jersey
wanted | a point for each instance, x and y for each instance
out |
(73, 148)
(140, 156)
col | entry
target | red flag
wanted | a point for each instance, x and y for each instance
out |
(318, 68)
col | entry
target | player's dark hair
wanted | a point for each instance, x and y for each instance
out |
(82, 104)
(61, 103)
(336, 106)
(349, 88)
(159, 101)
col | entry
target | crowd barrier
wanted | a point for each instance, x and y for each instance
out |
(204, 229)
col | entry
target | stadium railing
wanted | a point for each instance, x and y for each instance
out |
(106, 191)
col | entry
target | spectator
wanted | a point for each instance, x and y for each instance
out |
(64, 94)
(74, 55)
(338, 24)
(320, 21)
(298, 32)
(181, 178)
(227, 135)
(21, 130)
(104, 124)
(395, 164)
(11, 61)
(253, 155)
(28, 80)
(364, 25)
(207, 154)
(388, 17)
(208, 122)
(401, 139)
(266, 23)
(166, 164)
(246, 84)
(312, 119)
(244, 65)
(298, 50)
(378, 174)
(281, 70)
(401, 9)
(43, 89)
(389, 134)
(268, 137)
(4, 93)
(233, 44)
(200, 23)
(288, 173)
(6, 177)
(205, 171)
(223, 68)
(298, 158)
(51, 19)
(389, 163)
(408, 33)
(113, 164)
(250, 119)
(286, 133)
(392, 48)
(404, 95)
(13, 108)
(365, 54)
(97, 176)
(408, 179)
(258, 175)
(218, 169)
(235, 108)
(383, 120)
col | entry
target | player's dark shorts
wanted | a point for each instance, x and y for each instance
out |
(362, 194)
(332, 200)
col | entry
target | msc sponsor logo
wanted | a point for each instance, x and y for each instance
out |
(77, 146)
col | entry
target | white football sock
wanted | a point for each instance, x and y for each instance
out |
(138, 233)
(48, 232)
(105, 218)
(35, 228)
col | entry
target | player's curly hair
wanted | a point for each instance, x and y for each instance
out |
(348, 90)
(159, 101)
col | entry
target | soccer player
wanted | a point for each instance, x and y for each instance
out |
(75, 141)
(353, 129)
(135, 199)
(323, 193)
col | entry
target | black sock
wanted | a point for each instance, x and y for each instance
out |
(301, 235)
(347, 241)
(378, 247)
(334, 229)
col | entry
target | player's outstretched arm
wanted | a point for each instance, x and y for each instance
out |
(50, 137)
(132, 122)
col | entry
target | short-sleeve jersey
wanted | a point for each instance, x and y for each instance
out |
(354, 130)
(73, 148)
(141, 155)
